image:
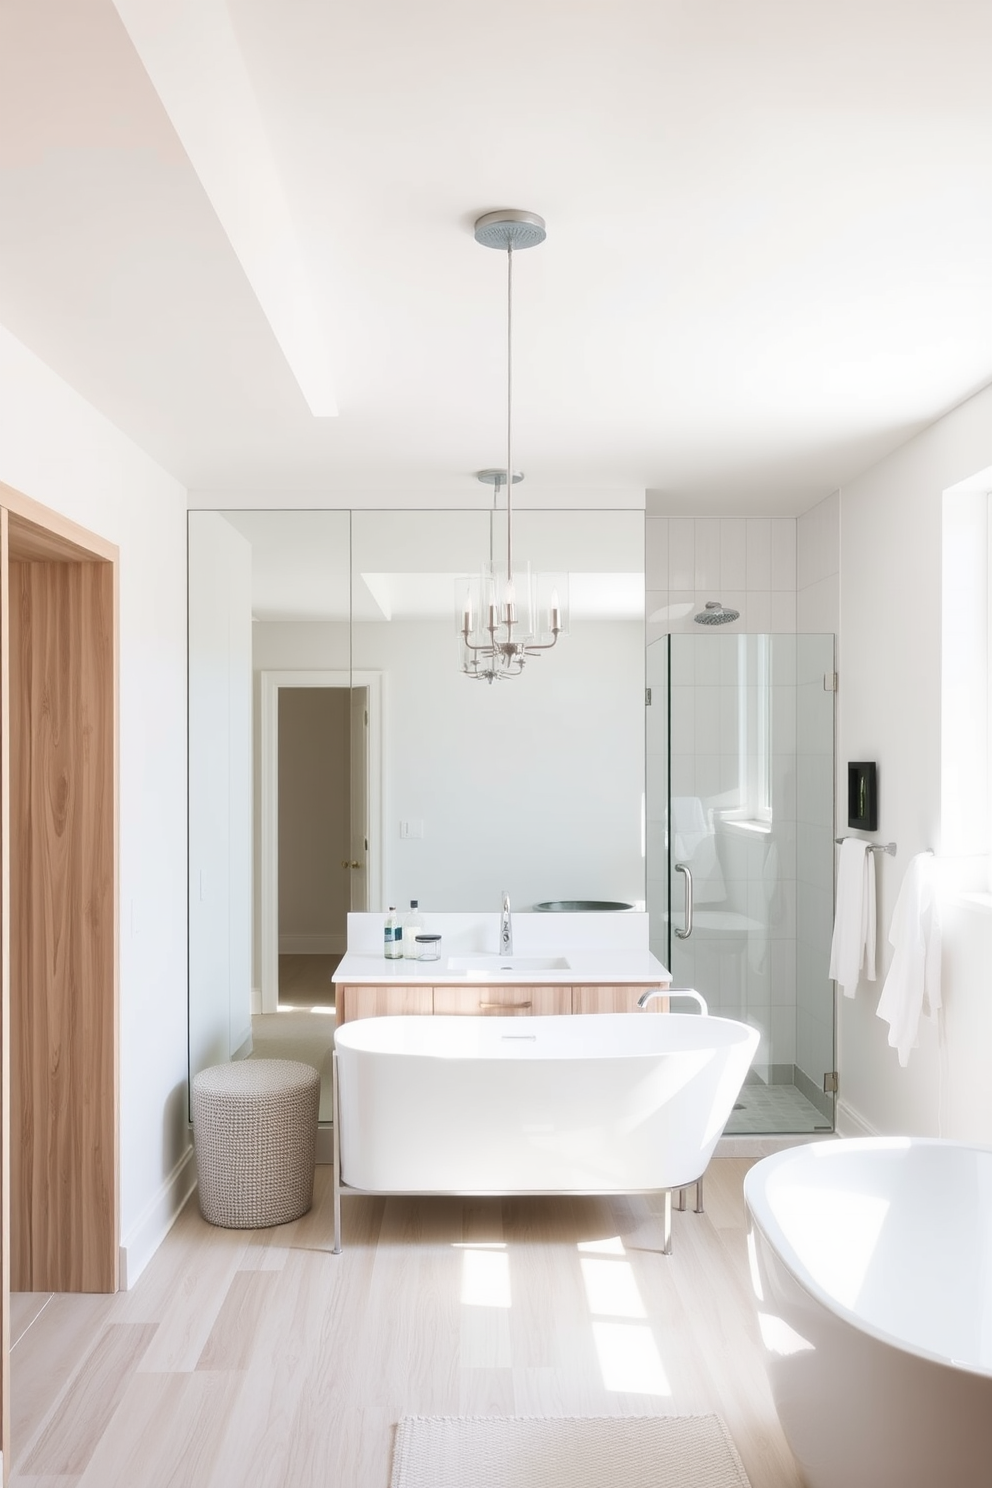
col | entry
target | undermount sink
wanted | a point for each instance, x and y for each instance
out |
(493, 965)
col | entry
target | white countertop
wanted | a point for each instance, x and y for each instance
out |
(600, 948)
(603, 968)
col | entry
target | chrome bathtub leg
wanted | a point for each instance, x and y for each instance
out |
(699, 1195)
(667, 1249)
(681, 1200)
(336, 1118)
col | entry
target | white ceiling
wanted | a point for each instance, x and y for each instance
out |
(767, 260)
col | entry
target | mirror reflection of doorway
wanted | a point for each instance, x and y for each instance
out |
(319, 854)
(319, 828)
(318, 866)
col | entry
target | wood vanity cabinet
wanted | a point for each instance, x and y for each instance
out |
(620, 999)
(507, 999)
(364, 1001)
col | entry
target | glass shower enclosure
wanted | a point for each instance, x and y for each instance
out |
(740, 852)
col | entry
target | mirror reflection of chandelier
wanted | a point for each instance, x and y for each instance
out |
(508, 614)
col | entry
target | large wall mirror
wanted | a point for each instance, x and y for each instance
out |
(340, 759)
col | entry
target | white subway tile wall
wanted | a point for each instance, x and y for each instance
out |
(759, 553)
(747, 563)
(818, 568)
(733, 554)
(707, 554)
(815, 828)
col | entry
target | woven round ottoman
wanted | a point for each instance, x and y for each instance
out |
(255, 1136)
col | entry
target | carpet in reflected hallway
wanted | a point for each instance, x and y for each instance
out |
(565, 1452)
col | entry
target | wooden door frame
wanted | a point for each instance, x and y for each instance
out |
(32, 532)
(271, 682)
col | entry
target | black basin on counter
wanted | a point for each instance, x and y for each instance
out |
(581, 906)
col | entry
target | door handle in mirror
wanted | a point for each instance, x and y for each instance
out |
(687, 931)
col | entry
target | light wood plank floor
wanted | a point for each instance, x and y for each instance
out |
(305, 981)
(255, 1359)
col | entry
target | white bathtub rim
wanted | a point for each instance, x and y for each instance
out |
(353, 1035)
(786, 1254)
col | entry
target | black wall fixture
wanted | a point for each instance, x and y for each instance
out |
(862, 795)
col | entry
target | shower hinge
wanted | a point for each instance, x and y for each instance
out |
(830, 1083)
(830, 681)
(647, 697)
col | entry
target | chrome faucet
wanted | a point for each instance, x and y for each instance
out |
(505, 928)
(646, 997)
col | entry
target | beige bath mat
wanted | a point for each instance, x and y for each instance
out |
(565, 1452)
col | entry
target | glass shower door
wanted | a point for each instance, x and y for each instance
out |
(743, 725)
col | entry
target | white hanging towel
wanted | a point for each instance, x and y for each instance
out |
(912, 986)
(853, 944)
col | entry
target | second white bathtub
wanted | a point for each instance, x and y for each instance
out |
(872, 1270)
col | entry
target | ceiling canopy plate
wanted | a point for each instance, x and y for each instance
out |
(510, 229)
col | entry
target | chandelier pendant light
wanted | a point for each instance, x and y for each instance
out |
(507, 615)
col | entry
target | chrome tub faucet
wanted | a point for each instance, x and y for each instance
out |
(505, 928)
(646, 997)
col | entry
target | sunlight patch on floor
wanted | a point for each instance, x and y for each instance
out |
(629, 1359)
(612, 1246)
(611, 1289)
(485, 1276)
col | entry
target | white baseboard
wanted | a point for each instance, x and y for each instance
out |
(851, 1123)
(313, 945)
(147, 1233)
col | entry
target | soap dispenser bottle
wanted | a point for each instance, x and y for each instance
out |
(413, 923)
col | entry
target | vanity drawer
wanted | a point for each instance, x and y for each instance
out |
(506, 1000)
(622, 999)
(381, 1002)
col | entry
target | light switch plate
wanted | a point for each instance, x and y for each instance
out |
(413, 828)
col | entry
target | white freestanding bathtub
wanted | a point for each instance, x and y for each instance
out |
(872, 1268)
(586, 1103)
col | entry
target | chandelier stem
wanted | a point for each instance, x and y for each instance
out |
(511, 627)
(509, 413)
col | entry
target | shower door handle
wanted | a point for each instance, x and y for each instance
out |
(684, 868)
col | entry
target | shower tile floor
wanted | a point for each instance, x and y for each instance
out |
(775, 1110)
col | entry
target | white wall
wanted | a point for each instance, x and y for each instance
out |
(889, 707)
(220, 691)
(483, 767)
(55, 448)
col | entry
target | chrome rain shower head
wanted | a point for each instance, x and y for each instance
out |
(715, 614)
